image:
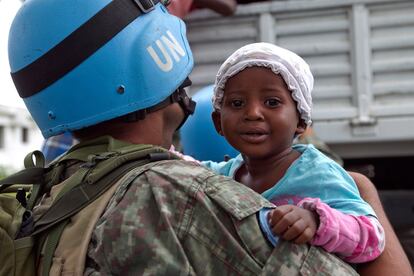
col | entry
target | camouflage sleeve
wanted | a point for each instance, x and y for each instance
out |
(293, 259)
(139, 232)
(179, 218)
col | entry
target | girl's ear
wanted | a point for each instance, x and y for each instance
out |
(301, 127)
(216, 116)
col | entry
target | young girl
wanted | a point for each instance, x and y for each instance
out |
(262, 101)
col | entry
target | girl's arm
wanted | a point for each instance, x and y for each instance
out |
(356, 239)
(393, 261)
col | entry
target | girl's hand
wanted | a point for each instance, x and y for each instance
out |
(293, 223)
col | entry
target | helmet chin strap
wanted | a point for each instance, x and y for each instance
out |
(178, 96)
(187, 105)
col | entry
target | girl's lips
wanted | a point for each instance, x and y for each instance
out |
(254, 137)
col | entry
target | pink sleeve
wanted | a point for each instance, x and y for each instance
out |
(182, 156)
(356, 239)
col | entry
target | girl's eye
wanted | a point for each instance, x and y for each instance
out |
(236, 103)
(272, 102)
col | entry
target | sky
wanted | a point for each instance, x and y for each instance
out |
(8, 94)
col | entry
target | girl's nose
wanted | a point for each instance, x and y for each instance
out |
(253, 112)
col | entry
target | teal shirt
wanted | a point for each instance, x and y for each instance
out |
(312, 175)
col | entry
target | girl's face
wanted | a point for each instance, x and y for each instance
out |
(258, 115)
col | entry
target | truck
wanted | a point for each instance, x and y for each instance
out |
(361, 53)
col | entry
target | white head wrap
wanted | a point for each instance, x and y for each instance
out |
(293, 69)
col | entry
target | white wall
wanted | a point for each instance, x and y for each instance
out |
(12, 147)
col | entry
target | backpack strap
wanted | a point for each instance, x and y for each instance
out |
(33, 173)
(51, 244)
(86, 185)
(26, 176)
(80, 196)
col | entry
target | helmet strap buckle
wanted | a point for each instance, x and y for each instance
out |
(178, 96)
(145, 5)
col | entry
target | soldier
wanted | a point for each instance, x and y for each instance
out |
(113, 73)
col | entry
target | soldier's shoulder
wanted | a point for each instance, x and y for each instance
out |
(178, 168)
(234, 197)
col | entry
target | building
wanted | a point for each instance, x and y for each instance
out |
(19, 135)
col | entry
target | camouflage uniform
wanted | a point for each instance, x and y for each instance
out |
(174, 217)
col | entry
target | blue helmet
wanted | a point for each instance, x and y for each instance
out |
(78, 63)
(198, 135)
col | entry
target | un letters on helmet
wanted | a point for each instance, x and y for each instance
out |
(174, 48)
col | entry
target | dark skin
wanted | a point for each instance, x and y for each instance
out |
(293, 223)
(261, 178)
(393, 260)
(260, 119)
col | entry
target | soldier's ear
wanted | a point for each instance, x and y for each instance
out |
(216, 116)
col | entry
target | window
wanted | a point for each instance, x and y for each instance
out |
(1, 137)
(25, 135)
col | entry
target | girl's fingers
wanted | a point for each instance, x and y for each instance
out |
(294, 230)
(282, 225)
(305, 237)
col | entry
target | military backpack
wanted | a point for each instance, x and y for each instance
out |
(23, 237)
